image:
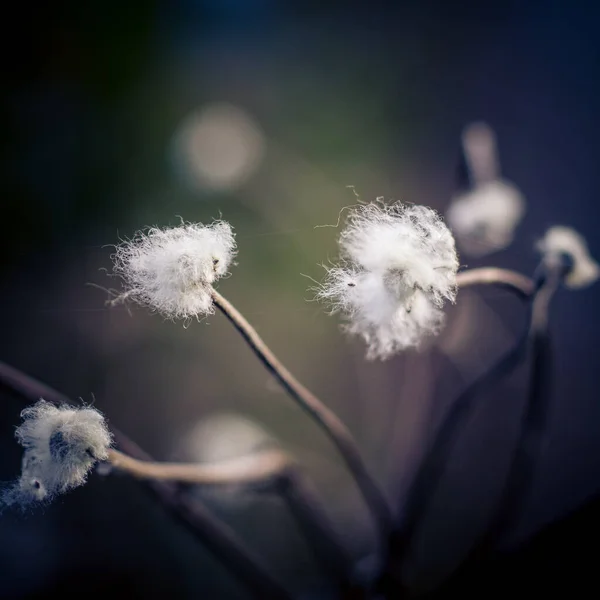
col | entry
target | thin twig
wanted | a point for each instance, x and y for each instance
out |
(305, 505)
(261, 467)
(433, 465)
(522, 285)
(330, 423)
(526, 457)
(213, 533)
(528, 448)
(270, 470)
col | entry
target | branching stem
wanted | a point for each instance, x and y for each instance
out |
(213, 533)
(267, 471)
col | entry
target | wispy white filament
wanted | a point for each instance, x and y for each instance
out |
(560, 241)
(62, 444)
(172, 270)
(398, 268)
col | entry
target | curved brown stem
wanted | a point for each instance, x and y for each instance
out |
(525, 458)
(270, 469)
(305, 505)
(522, 285)
(433, 465)
(210, 531)
(327, 419)
(261, 467)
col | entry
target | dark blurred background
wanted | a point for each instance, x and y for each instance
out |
(121, 115)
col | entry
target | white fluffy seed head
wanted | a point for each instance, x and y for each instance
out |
(399, 267)
(409, 239)
(484, 220)
(172, 270)
(62, 444)
(560, 241)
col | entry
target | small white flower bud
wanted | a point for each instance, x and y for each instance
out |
(399, 267)
(484, 220)
(62, 444)
(172, 270)
(564, 241)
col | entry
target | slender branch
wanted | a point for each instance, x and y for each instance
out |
(541, 304)
(222, 541)
(521, 471)
(526, 456)
(433, 465)
(329, 422)
(305, 505)
(270, 470)
(522, 285)
(262, 467)
(213, 533)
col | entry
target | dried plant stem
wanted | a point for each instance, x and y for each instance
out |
(262, 467)
(210, 531)
(526, 455)
(433, 465)
(533, 425)
(222, 541)
(269, 471)
(516, 282)
(305, 505)
(329, 422)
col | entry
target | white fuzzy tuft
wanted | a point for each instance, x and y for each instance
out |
(62, 444)
(484, 220)
(566, 241)
(172, 270)
(399, 267)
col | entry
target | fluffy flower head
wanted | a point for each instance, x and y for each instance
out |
(62, 444)
(560, 241)
(398, 268)
(172, 270)
(484, 219)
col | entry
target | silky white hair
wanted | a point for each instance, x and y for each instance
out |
(62, 444)
(398, 268)
(561, 240)
(172, 270)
